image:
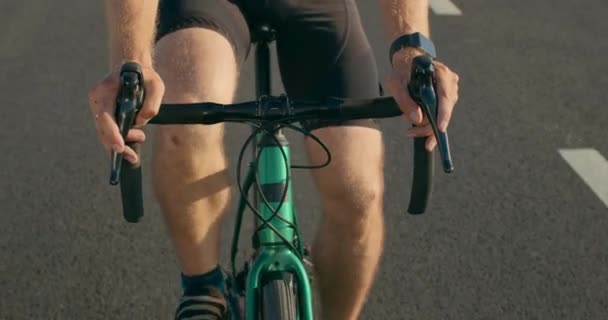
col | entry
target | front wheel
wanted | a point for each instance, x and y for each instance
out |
(278, 301)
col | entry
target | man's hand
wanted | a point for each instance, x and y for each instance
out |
(447, 95)
(102, 100)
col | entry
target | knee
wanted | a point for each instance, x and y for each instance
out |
(355, 197)
(175, 139)
(189, 151)
(189, 165)
(351, 203)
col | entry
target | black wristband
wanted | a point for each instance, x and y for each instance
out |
(413, 40)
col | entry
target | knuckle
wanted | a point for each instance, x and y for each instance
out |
(444, 95)
(155, 79)
(148, 112)
(161, 86)
(152, 84)
(451, 100)
(441, 67)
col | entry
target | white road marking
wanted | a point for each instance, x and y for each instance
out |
(444, 8)
(592, 167)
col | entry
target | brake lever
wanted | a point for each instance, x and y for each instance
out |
(422, 89)
(128, 103)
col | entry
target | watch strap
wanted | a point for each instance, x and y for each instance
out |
(413, 40)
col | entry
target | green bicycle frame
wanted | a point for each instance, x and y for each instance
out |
(273, 256)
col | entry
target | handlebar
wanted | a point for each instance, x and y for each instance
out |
(283, 110)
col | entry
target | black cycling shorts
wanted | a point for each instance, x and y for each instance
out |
(321, 45)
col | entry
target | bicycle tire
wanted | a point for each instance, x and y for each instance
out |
(278, 301)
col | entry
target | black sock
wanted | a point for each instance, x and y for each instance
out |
(193, 285)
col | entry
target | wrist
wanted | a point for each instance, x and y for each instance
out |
(143, 59)
(405, 56)
(410, 45)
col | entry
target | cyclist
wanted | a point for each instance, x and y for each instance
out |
(194, 54)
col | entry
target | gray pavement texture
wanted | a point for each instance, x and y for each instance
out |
(513, 233)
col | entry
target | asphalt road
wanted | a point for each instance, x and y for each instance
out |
(513, 233)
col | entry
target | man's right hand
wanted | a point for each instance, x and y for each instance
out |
(102, 100)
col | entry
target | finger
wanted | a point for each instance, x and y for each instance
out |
(98, 97)
(430, 144)
(419, 131)
(108, 132)
(102, 106)
(399, 92)
(136, 135)
(154, 91)
(130, 155)
(447, 90)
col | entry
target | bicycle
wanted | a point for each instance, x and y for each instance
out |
(274, 281)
